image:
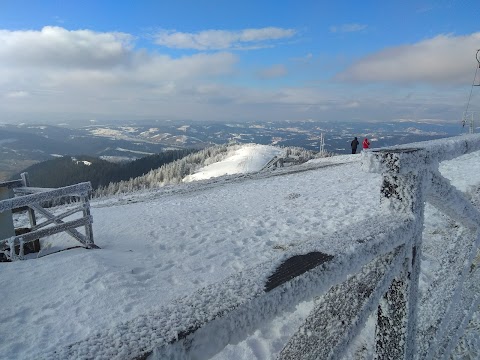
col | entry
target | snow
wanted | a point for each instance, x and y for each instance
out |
(158, 247)
(105, 132)
(84, 162)
(134, 151)
(247, 159)
(180, 138)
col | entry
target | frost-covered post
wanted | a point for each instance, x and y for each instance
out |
(7, 229)
(88, 227)
(31, 213)
(402, 192)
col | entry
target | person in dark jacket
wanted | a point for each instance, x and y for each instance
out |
(354, 145)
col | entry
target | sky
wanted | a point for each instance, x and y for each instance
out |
(212, 60)
(158, 247)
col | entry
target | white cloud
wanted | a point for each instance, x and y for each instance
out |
(58, 75)
(222, 39)
(56, 59)
(58, 47)
(443, 59)
(274, 71)
(60, 71)
(346, 28)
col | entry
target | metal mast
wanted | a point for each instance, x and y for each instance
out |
(470, 115)
(322, 145)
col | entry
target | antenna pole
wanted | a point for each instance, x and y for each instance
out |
(467, 113)
(322, 145)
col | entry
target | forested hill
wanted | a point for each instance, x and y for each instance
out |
(71, 170)
(169, 167)
(221, 157)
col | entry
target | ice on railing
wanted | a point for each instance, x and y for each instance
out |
(10, 253)
(340, 314)
(461, 311)
(414, 168)
(429, 153)
(227, 312)
(81, 189)
(145, 333)
(469, 345)
(452, 202)
(450, 258)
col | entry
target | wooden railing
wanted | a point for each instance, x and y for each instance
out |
(377, 273)
(34, 200)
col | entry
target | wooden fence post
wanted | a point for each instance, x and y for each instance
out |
(31, 213)
(88, 227)
(7, 229)
(402, 191)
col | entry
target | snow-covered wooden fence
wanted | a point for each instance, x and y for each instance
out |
(280, 161)
(33, 199)
(376, 273)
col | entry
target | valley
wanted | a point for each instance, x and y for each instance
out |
(25, 144)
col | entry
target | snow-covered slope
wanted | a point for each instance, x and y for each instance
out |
(162, 245)
(246, 159)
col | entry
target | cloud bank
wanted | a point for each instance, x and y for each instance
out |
(55, 74)
(443, 59)
(58, 69)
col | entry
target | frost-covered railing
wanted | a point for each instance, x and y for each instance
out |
(376, 273)
(34, 200)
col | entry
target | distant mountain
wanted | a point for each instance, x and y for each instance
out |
(23, 145)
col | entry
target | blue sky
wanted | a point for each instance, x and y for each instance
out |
(237, 60)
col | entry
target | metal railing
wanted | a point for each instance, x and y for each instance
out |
(377, 273)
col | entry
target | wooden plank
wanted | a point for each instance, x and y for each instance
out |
(452, 202)
(295, 266)
(11, 184)
(339, 315)
(53, 218)
(31, 236)
(72, 232)
(78, 189)
(31, 190)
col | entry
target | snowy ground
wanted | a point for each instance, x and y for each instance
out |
(159, 246)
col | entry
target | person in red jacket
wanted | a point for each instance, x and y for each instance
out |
(365, 144)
